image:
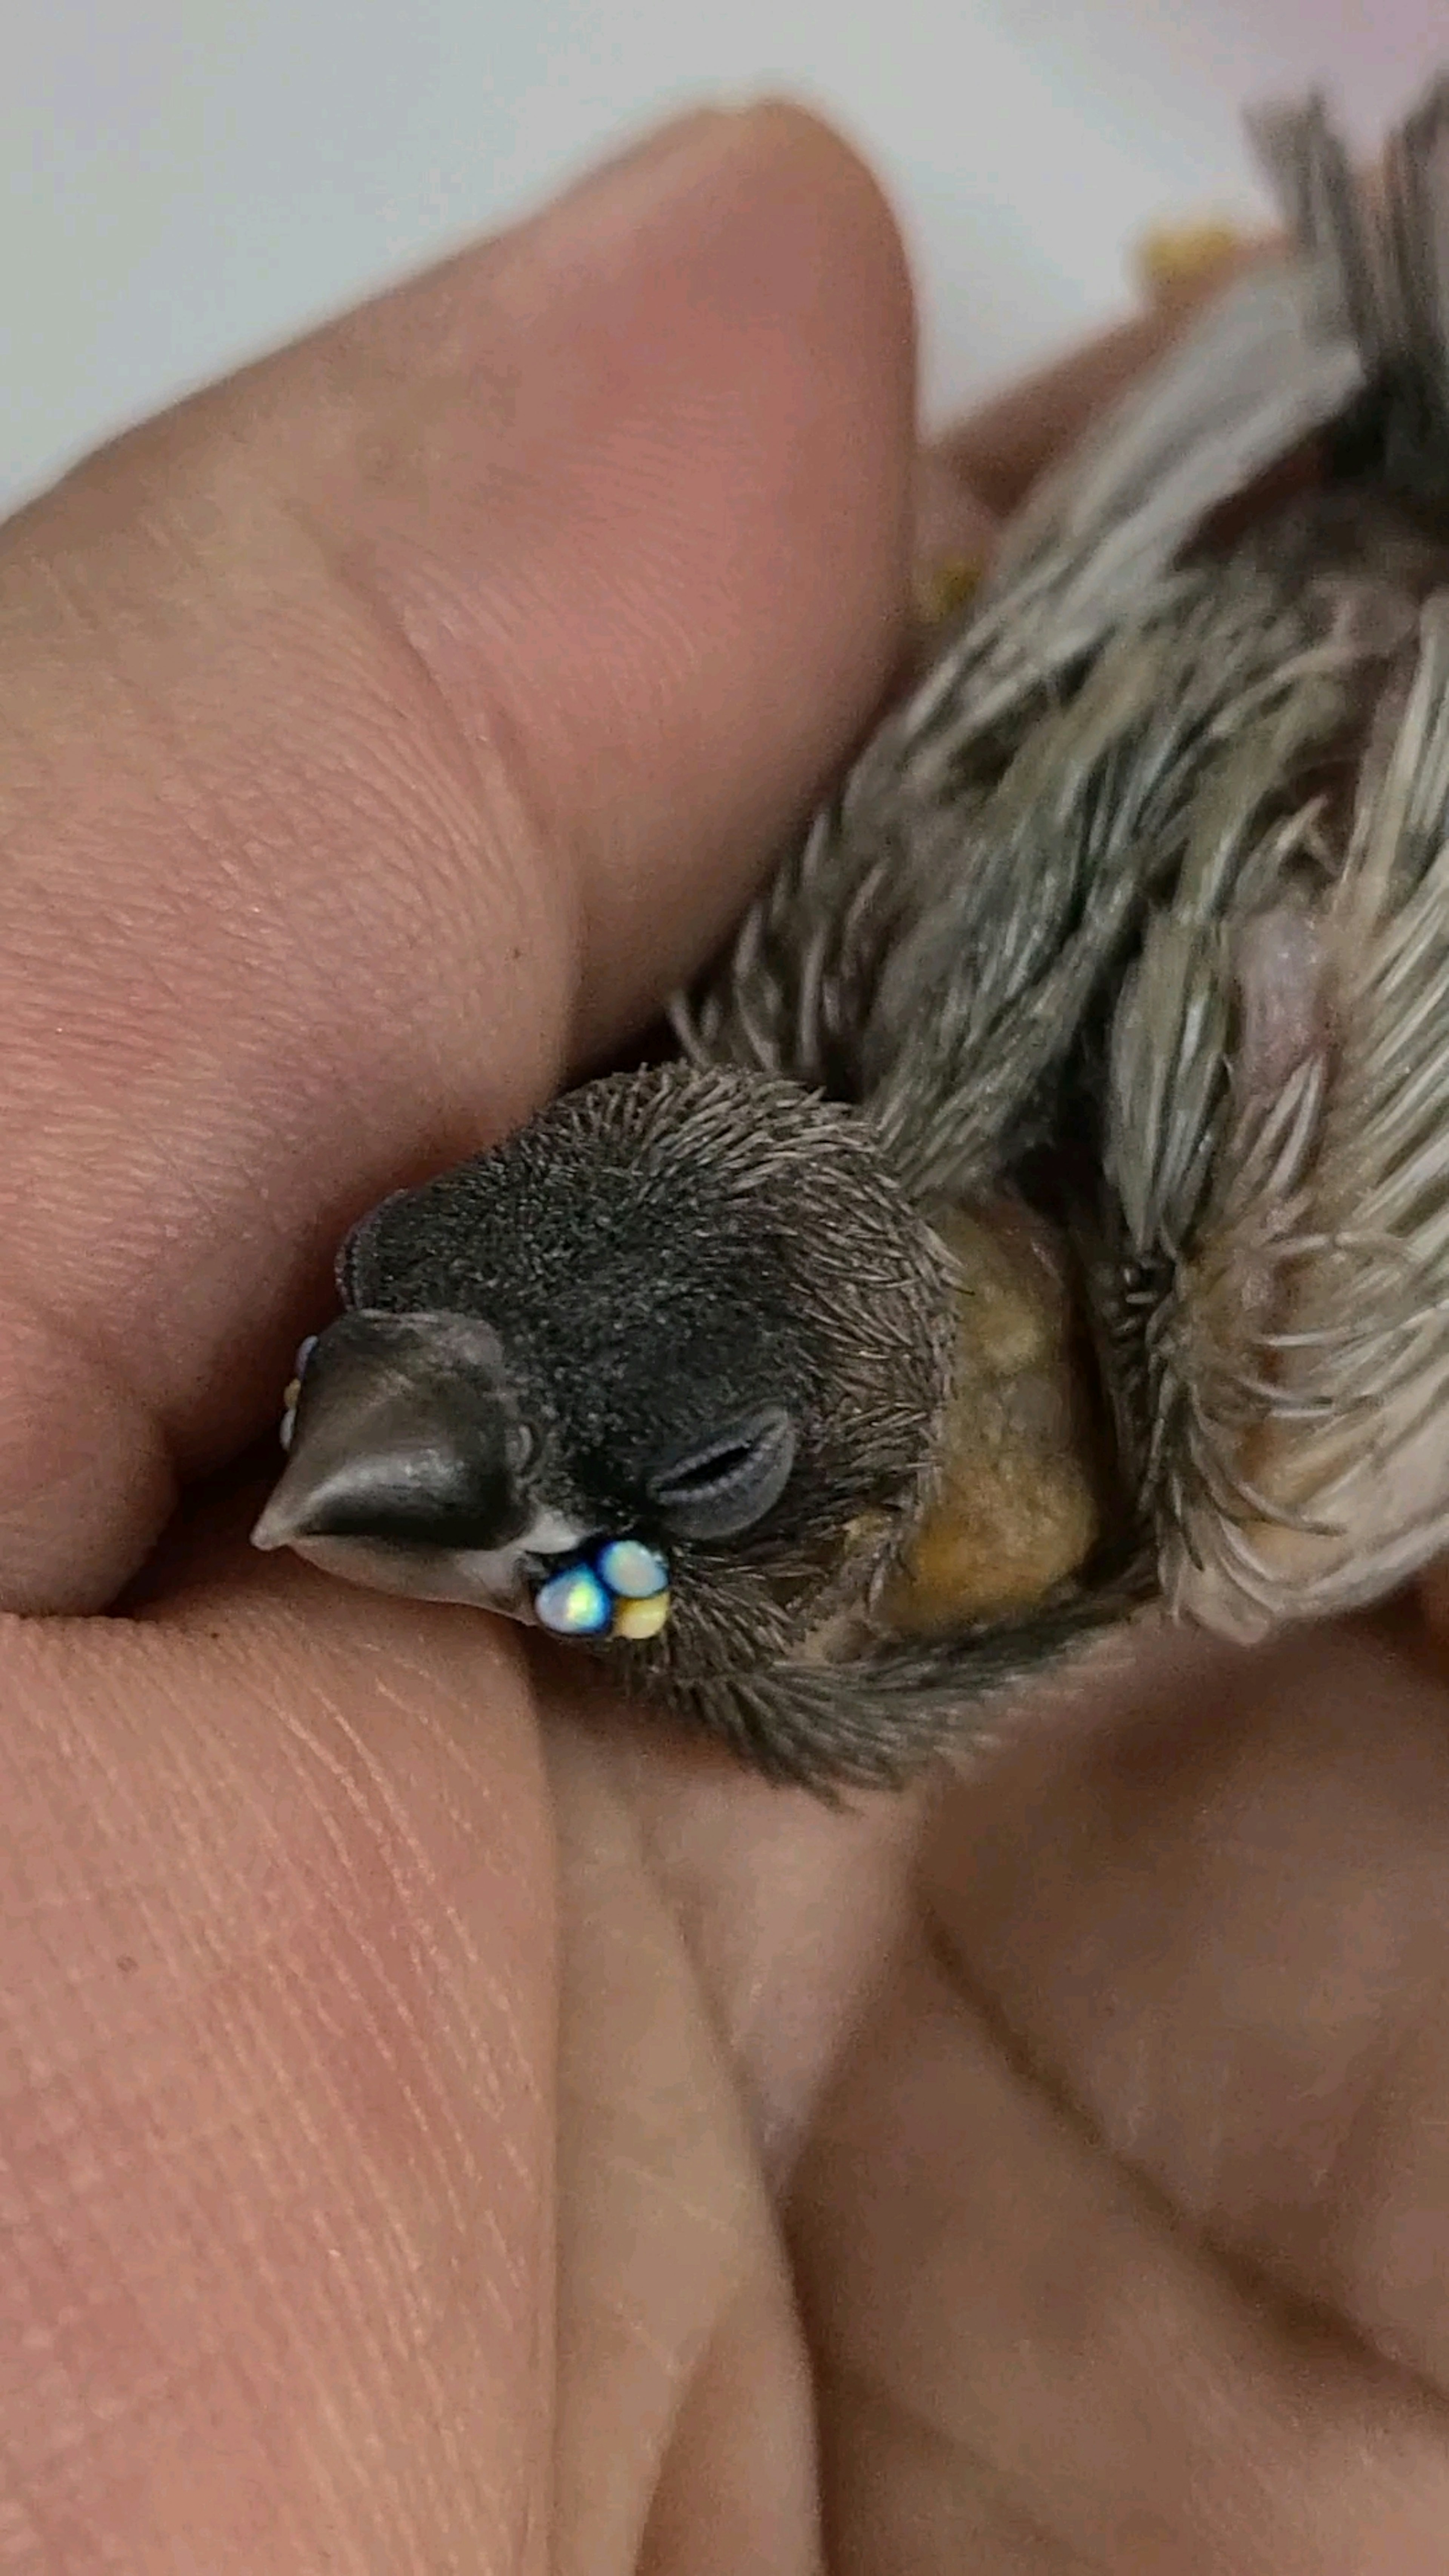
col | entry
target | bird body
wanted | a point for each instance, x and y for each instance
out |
(1049, 1209)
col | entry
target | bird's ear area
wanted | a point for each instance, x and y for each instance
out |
(728, 1483)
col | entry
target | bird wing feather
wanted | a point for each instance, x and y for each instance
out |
(1088, 848)
(898, 851)
(1302, 1360)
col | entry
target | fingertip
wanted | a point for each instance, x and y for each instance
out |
(684, 602)
(794, 136)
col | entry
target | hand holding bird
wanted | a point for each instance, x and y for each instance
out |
(415, 2155)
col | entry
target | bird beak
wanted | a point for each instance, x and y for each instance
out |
(404, 1466)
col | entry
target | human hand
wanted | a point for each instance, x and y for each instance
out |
(434, 2138)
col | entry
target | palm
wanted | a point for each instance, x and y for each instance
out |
(1078, 2141)
(1050, 2165)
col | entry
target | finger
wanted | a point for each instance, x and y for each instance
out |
(385, 728)
(686, 2439)
(276, 1964)
(787, 1904)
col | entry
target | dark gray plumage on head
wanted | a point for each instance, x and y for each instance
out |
(696, 1307)
(1052, 1208)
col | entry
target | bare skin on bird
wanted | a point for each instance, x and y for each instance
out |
(1048, 1211)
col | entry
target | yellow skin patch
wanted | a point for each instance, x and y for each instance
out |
(1016, 1510)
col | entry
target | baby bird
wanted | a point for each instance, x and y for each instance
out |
(1048, 1210)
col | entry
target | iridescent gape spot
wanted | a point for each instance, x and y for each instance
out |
(620, 1588)
(574, 1603)
(627, 1566)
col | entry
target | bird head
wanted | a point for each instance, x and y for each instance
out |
(664, 1370)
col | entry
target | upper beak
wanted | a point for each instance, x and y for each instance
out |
(405, 1436)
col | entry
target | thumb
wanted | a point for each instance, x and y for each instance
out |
(383, 729)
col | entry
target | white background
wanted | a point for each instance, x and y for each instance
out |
(183, 182)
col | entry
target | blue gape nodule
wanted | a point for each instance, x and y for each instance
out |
(1048, 1210)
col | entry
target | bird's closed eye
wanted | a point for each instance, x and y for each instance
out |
(729, 1484)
